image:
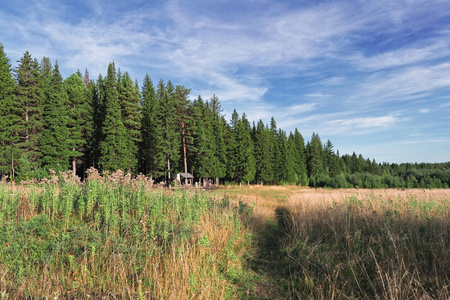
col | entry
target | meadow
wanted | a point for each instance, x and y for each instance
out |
(118, 237)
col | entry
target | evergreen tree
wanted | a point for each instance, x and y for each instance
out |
(282, 156)
(129, 99)
(315, 158)
(199, 159)
(98, 118)
(262, 141)
(168, 147)
(276, 154)
(150, 128)
(9, 117)
(232, 147)
(291, 160)
(54, 143)
(300, 168)
(114, 147)
(331, 159)
(80, 123)
(29, 94)
(246, 151)
(220, 149)
(183, 113)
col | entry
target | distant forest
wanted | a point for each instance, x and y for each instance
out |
(50, 123)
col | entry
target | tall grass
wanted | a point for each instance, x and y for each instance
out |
(366, 244)
(117, 237)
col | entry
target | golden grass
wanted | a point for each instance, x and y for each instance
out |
(357, 243)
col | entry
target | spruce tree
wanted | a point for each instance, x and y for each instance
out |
(80, 122)
(231, 140)
(150, 128)
(276, 154)
(220, 149)
(168, 145)
(129, 99)
(315, 157)
(183, 113)
(262, 141)
(291, 161)
(199, 159)
(99, 113)
(247, 162)
(29, 94)
(300, 168)
(54, 144)
(114, 148)
(9, 117)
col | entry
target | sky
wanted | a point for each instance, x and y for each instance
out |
(373, 77)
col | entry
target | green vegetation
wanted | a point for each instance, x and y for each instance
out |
(109, 123)
(115, 236)
(122, 237)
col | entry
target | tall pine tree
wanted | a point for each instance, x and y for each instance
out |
(9, 117)
(30, 96)
(168, 148)
(80, 122)
(54, 143)
(114, 147)
(150, 128)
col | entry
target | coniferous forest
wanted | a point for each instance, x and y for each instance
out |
(159, 129)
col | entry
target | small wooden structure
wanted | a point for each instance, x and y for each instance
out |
(186, 177)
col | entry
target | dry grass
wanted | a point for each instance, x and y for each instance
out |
(350, 243)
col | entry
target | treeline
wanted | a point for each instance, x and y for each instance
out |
(47, 122)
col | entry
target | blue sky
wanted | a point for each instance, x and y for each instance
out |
(371, 76)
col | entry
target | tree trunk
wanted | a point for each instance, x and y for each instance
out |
(74, 166)
(184, 151)
(168, 172)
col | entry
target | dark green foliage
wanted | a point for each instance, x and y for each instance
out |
(114, 149)
(129, 99)
(80, 124)
(168, 147)
(315, 157)
(29, 91)
(55, 140)
(263, 155)
(150, 128)
(9, 118)
(108, 123)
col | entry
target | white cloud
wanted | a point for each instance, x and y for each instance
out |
(424, 110)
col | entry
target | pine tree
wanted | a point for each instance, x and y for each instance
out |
(232, 147)
(168, 145)
(291, 160)
(80, 122)
(9, 117)
(219, 146)
(114, 147)
(129, 99)
(150, 128)
(262, 141)
(54, 143)
(276, 152)
(315, 159)
(247, 162)
(98, 117)
(29, 94)
(300, 158)
(183, 113)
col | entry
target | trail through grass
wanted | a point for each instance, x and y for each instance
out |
(340, 244)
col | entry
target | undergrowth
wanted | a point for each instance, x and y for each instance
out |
(117, 237)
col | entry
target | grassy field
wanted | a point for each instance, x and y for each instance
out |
(119, 238)
(357, 244)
